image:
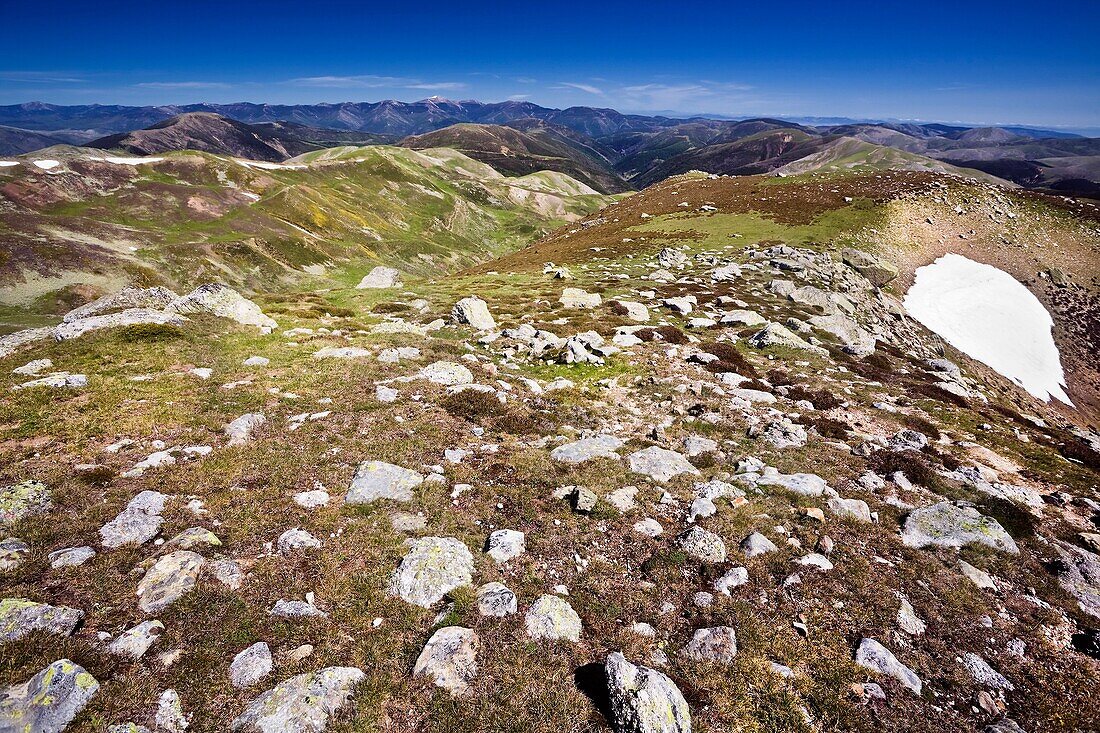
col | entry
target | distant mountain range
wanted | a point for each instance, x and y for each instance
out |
(605, 149)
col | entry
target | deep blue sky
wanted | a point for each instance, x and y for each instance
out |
(971, 61)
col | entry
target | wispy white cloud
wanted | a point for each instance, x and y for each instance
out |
(588, 88)
(183, 85)
(682, 96)
(374, 81)
(518, 97)
(40, 77)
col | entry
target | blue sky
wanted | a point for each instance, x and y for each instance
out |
(969, 61)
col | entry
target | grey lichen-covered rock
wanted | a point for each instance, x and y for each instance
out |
(170, 717)
(950, 525)
(577, 298)
(644, 700)
(130, 317)
(495, 599)
(223, 301)
(23, 499)
(775, 334)
(20, 616)
(1079, 575)
(193, 537)
(12, 553)
(703, 545)
(138, 523)
(301, 704)
(551, 617)
(718, 644)
(757, 544)
(375, 480)
(633, 311)
(804, 484)
(284, 608)
(173, 575)
(473, 312)
(134, 642)
(70, 557)
(48, 701)
(855, 339)
(341, 352)
(505, 544)
(251, 665)
(129, 297)
(586, 449)
(240, 430)
(433, 567)
(854, 508)
(660, 464)
(875, 269)
(876, 657)
(743, 318)
(733, 578)
(985, 675)
(447, 373)
(297, 539)
(380, 278)
(449, 659)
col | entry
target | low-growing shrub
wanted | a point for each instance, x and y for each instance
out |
(671, 334)
(730, 360)
(821, 399)
(827, 427)
(472, 404)
(146, 332)
(910, 462)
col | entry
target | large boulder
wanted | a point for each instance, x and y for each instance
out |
(48, 701)
(644, 700)
(875, 269)
(432, 568)
(577, 298)
(155, 298)
(380, 278)
(949, 525)
(301, 704)
(473, 312)
(1079, 575)
(225, 302)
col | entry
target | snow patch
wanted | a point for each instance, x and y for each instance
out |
(8, 163)
(267, 166)
(47, 164)
(131, 161)
(987, 314)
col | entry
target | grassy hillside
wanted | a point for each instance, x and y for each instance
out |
(185, 218)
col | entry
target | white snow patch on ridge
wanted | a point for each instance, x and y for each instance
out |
(131, 161)
(8, 163)
(989, 315)
(47, 164)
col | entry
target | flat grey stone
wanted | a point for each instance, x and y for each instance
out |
(12, 553)
(375, 480)
(660, 464)
(449, 659)
(757, 544)
(877, 658)
(20, 616)
(172, 576)
(138, 523)
(23, 499)
(48, 701)
(551, 617)
(718, 644)
(70, 557)
(600, 446)
(302, 704)
(447, 373)
(505, 544)
(702, 545)
(134, 642)
(949, 525)
(433, 567)
(251, 665)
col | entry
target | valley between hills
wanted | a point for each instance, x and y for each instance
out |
(545, 420)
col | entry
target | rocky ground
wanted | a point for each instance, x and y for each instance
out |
(676, 467)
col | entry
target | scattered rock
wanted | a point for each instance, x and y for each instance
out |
(660, 464)
(380, 278)
(601, 446)
(551, 617)
(301, 704)
(950, 525)
(495, 599)
(505, 544)
(474, 312)
(251, 665)
(644, 700)
(375, 480)
(134, 642)
(433, 567)
(138, 523)
(48, 701)
(24, 499)
(449, 659)
(718, 644)
(171, 577)
(703, 545)
(20, 616)
(876, 657)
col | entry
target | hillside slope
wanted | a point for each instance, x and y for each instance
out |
(182, 218)
(211, 133)
(516, 152)
(701, 443)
